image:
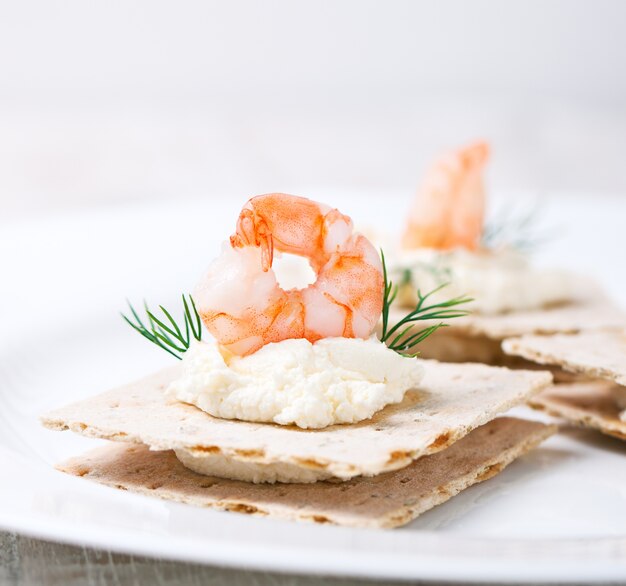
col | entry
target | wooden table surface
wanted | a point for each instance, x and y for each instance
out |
(25, 561)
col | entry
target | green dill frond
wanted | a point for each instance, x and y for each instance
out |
(163, 331)
(401, 337)
(512, 229)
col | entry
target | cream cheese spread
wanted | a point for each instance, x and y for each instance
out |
(498, 282)
(333, 381)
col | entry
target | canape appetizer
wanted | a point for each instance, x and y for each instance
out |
(446, 240)
(293, 387)
(307, 357)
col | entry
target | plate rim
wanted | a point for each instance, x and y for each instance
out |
(606, 564)
(401, 567)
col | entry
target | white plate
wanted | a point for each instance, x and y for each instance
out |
(557, 514)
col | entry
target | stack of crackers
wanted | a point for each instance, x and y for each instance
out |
(598, 358)
(478, 337)
(444, 437)
(582, 343)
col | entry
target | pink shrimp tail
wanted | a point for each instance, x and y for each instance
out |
(448, 211)
(254, 231)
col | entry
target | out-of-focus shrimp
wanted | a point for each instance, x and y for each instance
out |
(448, 211)
(244, 308)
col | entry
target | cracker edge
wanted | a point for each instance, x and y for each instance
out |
(579, 416)
(515, 346)
(398, 518)
(474, 325)
(396, 460)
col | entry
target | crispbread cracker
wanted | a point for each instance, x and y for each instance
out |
(589, 404)
(448, 345)
(567, 318)
(388, 500)
(596, 354)
(452, 400)
(458, 347)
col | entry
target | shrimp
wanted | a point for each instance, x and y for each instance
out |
(241, 302)
(448, 211)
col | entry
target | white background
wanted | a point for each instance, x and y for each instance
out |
(105, 103)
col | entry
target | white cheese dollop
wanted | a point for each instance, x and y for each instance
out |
(498, 282)
(335, 380)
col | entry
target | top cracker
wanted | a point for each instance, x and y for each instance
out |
(452, 400)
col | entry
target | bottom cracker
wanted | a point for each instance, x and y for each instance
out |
(387, 500)
(588, 404)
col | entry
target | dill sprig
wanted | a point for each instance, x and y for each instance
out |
(165, 332)
(441, 274)
(397, 337)
(512, 229)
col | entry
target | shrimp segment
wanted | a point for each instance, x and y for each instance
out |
(448, 211)
(241, 302)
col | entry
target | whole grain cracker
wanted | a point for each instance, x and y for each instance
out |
(589, 404)
(595, 314)
(385, 501)
(452, 400)
(595, 354)
(453, 346)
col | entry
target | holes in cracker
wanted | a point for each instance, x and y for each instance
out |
(399, 456)
(243, 508)
(489, 471)
(257, 454)
(321, 519)
(441, 441)
(204, 450)
(310, 463)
